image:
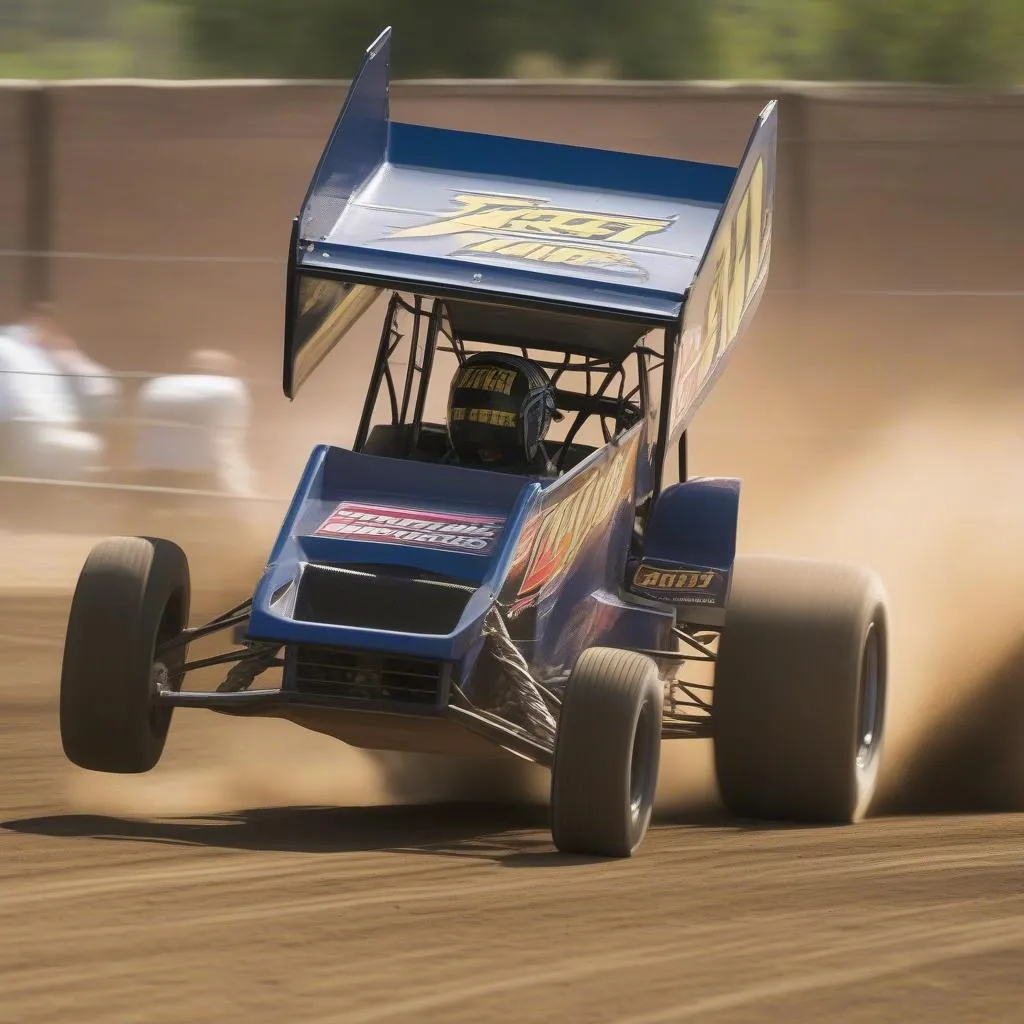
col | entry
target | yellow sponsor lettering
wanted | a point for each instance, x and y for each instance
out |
(579, 257)
(574, 256)
(486, 378)
(492, 417)
(645, 577)
(755, 245)
(672, 579)
(621, 230)
(513, 249)
(608, 492)
(577, 517)
(549, 552)
(737, 262)
(737, 276)
(509, 215)
(714, 319)
(478, 213)
(747, 255)
(544, 252)
(568, 524)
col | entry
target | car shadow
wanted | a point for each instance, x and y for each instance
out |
(455, 828)
(514, 836)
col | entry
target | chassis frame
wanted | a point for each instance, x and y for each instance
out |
(423, 324)
(686, 710)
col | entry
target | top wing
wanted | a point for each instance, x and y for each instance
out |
(488, 218)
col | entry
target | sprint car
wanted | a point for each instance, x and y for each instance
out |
(578, 619)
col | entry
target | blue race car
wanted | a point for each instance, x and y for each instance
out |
(512, 574)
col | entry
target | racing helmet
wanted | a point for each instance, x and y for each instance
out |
(499, 409)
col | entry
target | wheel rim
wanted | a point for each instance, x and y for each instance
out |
(640, 764)
(869, 726)
(163, 671)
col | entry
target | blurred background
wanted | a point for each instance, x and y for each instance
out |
(153, 153)
(952, 41)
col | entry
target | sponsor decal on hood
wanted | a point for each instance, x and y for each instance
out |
(387, 524)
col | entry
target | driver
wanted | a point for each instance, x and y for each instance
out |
(499, 409)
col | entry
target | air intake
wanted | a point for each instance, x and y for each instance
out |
(365, 679)
(384, 598)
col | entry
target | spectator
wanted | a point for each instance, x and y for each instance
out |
(98, 394)
(41, 431)
(192, 427)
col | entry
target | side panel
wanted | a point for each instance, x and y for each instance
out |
(690, 544)
(319, 312)
(561, 593)
(357, 147)
(731, 279)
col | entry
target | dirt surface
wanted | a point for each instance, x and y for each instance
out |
(264, 874)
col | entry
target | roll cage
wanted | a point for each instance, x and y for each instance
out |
(614, 390)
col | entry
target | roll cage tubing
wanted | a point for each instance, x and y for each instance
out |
(672, 336)
(623, 408)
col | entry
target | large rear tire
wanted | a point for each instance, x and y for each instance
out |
(607, 754)
(133, 594)
(800, 691)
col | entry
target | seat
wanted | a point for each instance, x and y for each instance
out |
(392, 442)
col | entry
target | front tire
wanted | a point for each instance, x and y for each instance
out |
(133, 594)
(607, 754)
(800, 691)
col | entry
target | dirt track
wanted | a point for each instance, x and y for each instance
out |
(222, 888)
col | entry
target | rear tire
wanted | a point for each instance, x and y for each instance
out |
(607, 753)
(800, 691)
(133, 594)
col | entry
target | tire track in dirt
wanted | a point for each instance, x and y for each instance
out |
(223, 886)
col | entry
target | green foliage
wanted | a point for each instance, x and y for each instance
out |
(766, 39)
(90, 39)
(948, 41)
(451, 38)
(939, 41)
(951, 41)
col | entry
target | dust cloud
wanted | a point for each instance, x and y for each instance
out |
(933, 500)
(214, 765)
(931, 496)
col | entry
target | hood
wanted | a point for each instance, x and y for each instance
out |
(380, 554)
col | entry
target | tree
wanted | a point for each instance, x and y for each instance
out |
(459, 38)
(943, 41)
(774, 39)
(644, 39)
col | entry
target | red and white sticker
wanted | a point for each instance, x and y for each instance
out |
(386, 524)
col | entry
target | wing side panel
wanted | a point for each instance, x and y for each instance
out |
(358, 144)
(730, 279)
(318, 313)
